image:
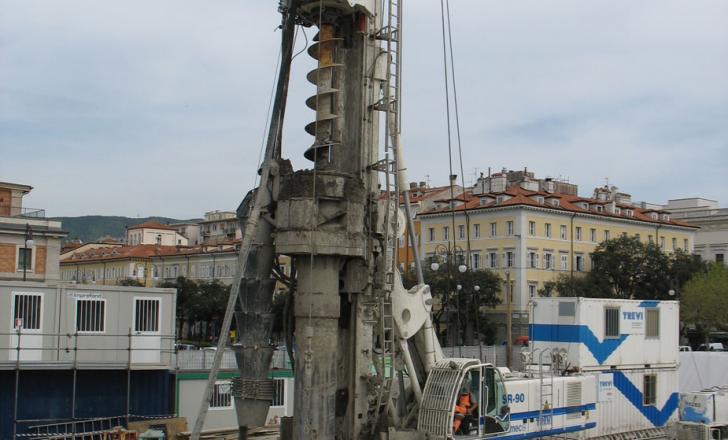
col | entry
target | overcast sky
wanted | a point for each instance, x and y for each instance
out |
(158, 108)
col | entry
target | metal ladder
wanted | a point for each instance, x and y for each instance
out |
(389, 103)
(546, 394)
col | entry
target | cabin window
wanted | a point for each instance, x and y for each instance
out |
(652, 323)
(90, 315)
(27, 311)
(649, 390)
(222, 396)
(611, 322)
(146, 315)
(567, 308)
(279, 392)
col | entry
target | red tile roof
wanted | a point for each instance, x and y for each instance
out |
(522, 197)
(151, 224)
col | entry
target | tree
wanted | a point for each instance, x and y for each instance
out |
(704, 301)
(202, 302)
(130, 282)
(625, 267)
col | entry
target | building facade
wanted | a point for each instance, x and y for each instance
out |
(711, 240)
(531, 237)
(154, 233)
(220, 226)
(29, 243)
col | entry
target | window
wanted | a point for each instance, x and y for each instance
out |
(476, 260)
(493, 260)
(649, 390)
(531, 228)
(548, 262)
(674, 244)
(662, 243)
(509, 259)
(637, 236)
(562, 232)
(493, 229)
(593, 235)
(476, 230)
(685, 244)
(509, 225)
(652, 323)
(607, 235)
(146, 315)
(222, 395)
(611, 322)
(579, 263)
(279, 392)
(567, 308)
(27, 309)
(445, 232)
(461, 231)
(564, 261)
(532, 260)
(90, 315)
(25, 259)
(531, 290)
(719, 258)
(578, 233)
(548, 230)
(650, 239)
(431, 234)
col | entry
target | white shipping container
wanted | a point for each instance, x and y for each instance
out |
(598, 332)
(628, 401)
(710, 406)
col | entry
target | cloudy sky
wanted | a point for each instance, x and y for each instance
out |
(158, 108)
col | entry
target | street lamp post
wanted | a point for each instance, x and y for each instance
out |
(28, 242)
(509, 323)
(449, 251)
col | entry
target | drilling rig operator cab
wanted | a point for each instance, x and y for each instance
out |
(464, 398)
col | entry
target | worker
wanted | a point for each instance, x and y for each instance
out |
(465, 408)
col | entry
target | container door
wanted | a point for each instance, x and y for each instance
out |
(26, 327)
(146, 340)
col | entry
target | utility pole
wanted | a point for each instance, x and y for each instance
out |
(509, 323)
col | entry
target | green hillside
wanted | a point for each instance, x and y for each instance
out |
(93, 227)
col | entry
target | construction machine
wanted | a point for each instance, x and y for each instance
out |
(367, 361)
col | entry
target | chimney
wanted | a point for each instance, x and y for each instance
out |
(413, 185)
(423, 184)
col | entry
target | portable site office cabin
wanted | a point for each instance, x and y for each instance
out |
(630, 346)
(600, 333)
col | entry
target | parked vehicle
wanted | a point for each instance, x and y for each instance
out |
(711, 346)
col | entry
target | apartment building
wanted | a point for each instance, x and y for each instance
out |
(422, 198)
(29, 243)
(711, 240)
(532, 237)
(220, 226)
(153, 232)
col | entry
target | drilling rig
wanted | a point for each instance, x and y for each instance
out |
(367, 362)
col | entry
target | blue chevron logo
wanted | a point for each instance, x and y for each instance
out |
(658, 417)
(576, 334)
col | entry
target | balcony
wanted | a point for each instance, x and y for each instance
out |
(7, 210)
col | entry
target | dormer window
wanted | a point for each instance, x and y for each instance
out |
(539, 199)
(555, 202)
(500, 199)
(483, 201)
(665, 217)
(653, 216)
(600, 208)
(583, 205)
(618, 211)
(629, 213)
